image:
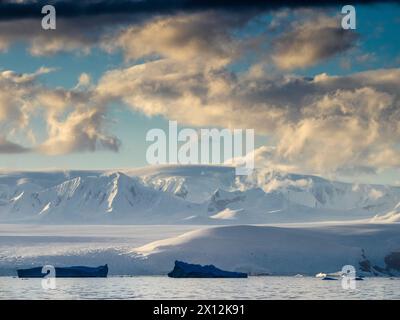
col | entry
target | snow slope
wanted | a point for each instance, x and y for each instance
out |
(374, 249)
(23, 245)
(283, 250)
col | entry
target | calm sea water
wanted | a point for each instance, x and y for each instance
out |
(166, 288)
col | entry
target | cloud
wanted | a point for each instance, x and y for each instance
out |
(341, 129)
(168, 35)
(84, 80)
(76, 119)
(184, 37)
(81, 131)
(15, 92)
(310, 42)
(264, 158)
(8, 147)
(83, 25)
(72, 35)
(322, 124)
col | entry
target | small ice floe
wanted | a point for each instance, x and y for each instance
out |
(320, 275)
(328, 276)
(334, 276)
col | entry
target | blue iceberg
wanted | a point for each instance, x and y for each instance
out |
(329, 278)
(187, 270)
(67, 272)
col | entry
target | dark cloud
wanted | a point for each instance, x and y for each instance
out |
(312, 41)
(11, 147)
(29, 9)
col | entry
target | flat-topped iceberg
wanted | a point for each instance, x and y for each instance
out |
(187, 270)
(66, 272)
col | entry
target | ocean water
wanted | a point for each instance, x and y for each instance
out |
(162, 287)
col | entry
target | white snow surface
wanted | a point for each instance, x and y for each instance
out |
(141, 250)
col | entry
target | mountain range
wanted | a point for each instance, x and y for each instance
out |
(188, 194)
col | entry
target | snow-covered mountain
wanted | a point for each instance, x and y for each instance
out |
(317, 192)
(198, 184)
(192, 183)
(271, 196)
(186, 194)
(89, 198)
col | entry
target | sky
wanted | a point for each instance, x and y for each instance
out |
(322, 100)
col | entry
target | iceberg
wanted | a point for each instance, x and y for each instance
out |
(187, 270)
(329, 278)
(67, 272)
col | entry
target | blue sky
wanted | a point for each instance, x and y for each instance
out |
(377, 48)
